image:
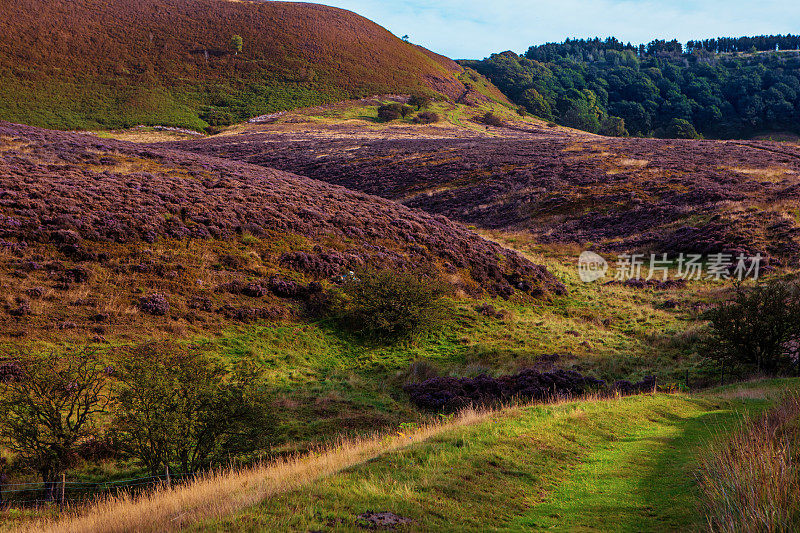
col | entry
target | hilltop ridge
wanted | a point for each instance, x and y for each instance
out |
(111, 64)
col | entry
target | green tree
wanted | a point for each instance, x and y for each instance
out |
(751, 329)
(419, 101)
(681, 129)
(536, 104)
(613, 127)
(178, 406)
(236, 44)
(53, 402)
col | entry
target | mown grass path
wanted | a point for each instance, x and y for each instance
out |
(610, 465)
(641, 482)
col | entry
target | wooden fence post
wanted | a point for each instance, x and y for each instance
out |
(63, 487)
(166, 472)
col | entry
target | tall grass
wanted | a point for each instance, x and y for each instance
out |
(225, 492)
(751, 483)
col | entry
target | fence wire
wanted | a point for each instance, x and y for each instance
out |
(18, 495)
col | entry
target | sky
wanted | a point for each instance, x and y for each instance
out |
(474, 29)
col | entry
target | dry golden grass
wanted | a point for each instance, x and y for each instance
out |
(225, 492)
(752, 482)
(140, 135)
(765, 175)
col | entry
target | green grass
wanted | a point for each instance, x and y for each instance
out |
(326, 383)
(612, 465)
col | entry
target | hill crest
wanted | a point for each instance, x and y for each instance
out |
(92, 63)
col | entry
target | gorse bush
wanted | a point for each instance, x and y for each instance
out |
(385, 306)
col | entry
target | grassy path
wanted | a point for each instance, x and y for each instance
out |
(642, 482)
(623, 465)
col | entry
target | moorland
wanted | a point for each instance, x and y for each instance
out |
(318, 278)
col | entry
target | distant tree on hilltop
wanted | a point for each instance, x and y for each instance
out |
(237, 43)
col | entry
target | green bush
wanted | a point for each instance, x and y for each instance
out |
(180, 407)
(389, 112)
(490, 119)
(756, 327)
(384, 306)
(426, 117)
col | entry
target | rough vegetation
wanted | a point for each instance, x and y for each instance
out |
(751, 480)
(94, 63)
(315, 282)
(562, 187)
(128, 234)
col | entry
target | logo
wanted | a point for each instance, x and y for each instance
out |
(591, 267)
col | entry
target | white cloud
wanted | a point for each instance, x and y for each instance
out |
(474, 29)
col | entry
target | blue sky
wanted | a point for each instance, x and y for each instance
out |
(474, 29)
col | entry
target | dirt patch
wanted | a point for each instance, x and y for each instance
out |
(382, 520)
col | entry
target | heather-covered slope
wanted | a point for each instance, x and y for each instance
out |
(113, 63)
(100, 233)
(560, 185)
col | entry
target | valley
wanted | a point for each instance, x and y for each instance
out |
(266, 266)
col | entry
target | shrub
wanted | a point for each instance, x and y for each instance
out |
(753, 327)
(389, 112)
(490, 119)
(384, 306)
(178, 406)
(154, 304)
(426, 117)
(419, 101)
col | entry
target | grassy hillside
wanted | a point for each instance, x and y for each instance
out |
(110, 64)
(608, 465)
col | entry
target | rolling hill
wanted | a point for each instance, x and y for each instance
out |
(558, 185)
(111, 63)
(102, 236)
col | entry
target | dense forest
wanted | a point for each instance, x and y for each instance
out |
(719, 88)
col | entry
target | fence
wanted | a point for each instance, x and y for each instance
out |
(23, 495)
